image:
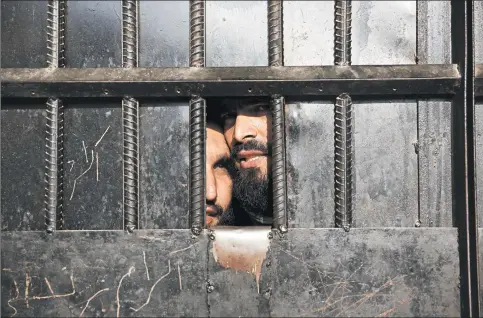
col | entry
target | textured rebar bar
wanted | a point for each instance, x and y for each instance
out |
(54, 151)
(197, 121)
(275, 33)
(343, 152)
(197, 167)
(343, 161)
(129, 33)
(275, 58)
(342, 42)
(56, 33)
(130, 108)
(197, 33)
(278, 163)
(130, 119)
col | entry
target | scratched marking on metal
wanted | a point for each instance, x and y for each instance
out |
(343, 121)
(54, 175)
(242, 249)
(197, 121)
(130, 115)
(275, 58)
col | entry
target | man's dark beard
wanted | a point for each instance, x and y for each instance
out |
(250, 187)
(227, 217)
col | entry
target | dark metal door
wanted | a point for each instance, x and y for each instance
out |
(120, 156)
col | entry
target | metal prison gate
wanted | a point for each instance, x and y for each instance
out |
(376, 141)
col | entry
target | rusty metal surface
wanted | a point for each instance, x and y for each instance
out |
(366, 272)
(309, 272)
(111, 274)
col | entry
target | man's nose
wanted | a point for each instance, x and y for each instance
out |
(210, 187)
(244, 128)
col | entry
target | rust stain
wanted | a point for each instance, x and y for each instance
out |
(242, 249)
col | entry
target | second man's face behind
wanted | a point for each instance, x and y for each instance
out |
(219, 183)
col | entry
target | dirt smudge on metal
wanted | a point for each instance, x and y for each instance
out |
(242, 249)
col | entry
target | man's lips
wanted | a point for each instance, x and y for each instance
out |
(211, 211)
(250, 158)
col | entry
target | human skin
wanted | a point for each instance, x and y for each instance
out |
(219, 183)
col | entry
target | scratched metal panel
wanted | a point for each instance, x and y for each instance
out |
(366, 273)
(310, 164)
(164, 134)
(163, 33)
(386, 164)
(168, 276)
(93, 200)
(308, 33)
(93, 34)
(164, 154)
(24, 44)
(383, 32)
(434, 119)
(236, 33)
(93, 166)
(309, 40)
(22, 167)
(24, 33)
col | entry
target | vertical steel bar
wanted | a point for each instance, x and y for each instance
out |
(130, 119)
(54, 174)
(343, 152)
(197, 121)
(463, 151)
(277, 102)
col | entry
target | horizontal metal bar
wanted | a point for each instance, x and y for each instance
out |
(232, 81)
(478, 80)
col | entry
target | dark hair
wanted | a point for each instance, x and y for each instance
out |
(216, 105)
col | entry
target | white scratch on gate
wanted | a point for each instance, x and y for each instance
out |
(145, 265)
(102, 136)
(89, 300)
(181, 250)
(72, 162)
(55, 295)
(97, 166)
(132, 269)
(85, 151)
(152, 288)
(83, 173)
(179, 278)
